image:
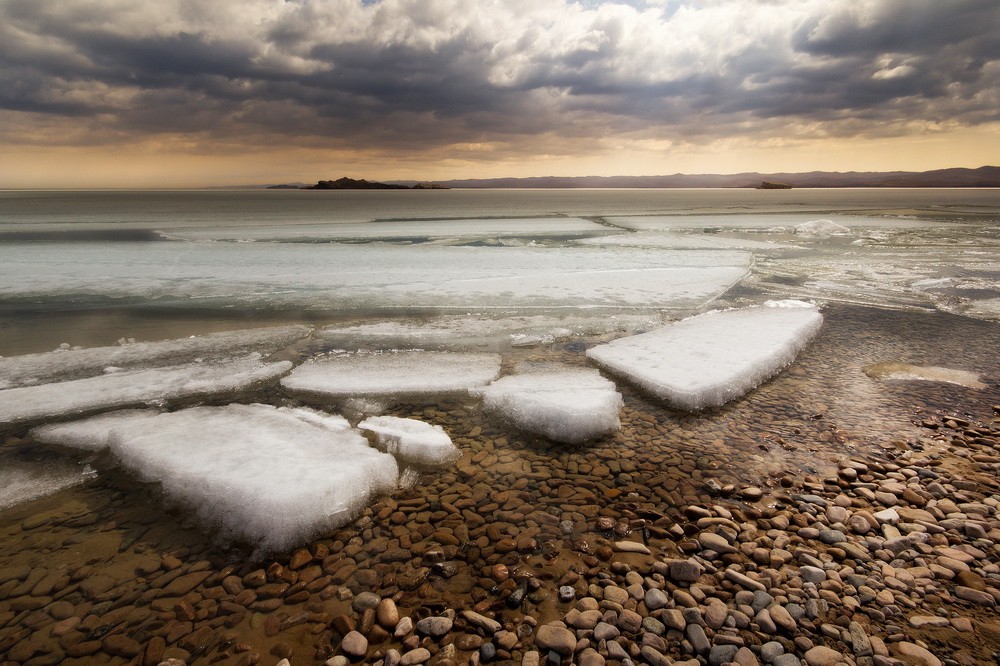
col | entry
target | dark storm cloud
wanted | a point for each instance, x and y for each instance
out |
(408, 74)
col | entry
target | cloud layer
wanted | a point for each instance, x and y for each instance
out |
(491, 77)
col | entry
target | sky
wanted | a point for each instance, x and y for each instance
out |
(178, 93)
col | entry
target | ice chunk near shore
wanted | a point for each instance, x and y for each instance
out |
(414, 443)
(123, 389)
(269, 476)
(23, 481)
(74, 363)
(402, 373)
(924, 373)
(91, 434)
(569, 405)
(710, 359)
(822, 228)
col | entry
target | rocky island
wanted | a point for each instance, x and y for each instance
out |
(768, 185)
(362, 184)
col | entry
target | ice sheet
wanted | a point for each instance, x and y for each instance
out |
(480, 331)
(401, 229)
(132, 387)
(91, 434)
(414, 443)
(368, 277)
(255, 473)
(564, 404)
(74, 363)
(710, 359)
(393, 374)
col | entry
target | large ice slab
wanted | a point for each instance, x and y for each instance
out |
(564, 404)
(73, 363)
(710, 359)
(414, 443)
(394, 374)
(273, 477)
(133, 387)
(326, 276)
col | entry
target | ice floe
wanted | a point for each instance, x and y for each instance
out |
(393, 374)
(710, 359)
(134, 387)
(414, 443)
(564, 404)
(763, 221)
(74, 363)
(926, 373)
(256, 473)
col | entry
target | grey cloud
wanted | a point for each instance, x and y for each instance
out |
(311, 76)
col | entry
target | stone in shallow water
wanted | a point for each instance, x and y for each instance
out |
(710, 359)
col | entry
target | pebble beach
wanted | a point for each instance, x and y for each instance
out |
(825, 518)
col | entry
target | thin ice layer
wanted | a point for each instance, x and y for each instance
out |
(74, 363)
(123, 389)
(568, 405)
(710, 359)
(25, 480)
(257, 473)
(405, 373)
(683, 241)
(414, 443)
(91, 434)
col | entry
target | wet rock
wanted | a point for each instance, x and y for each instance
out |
(354, 645)
(435, 627)
(554, 637)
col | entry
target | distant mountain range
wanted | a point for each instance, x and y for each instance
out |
(986, 176)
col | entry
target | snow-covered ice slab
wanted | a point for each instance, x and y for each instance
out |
(479, 331)
(329, 275)
(564, 404)
(710, 359)
(394, 374)
(91, 434)
(400, 229)
(414, 443)
(73, 363)
(273, 477)
(133, 387)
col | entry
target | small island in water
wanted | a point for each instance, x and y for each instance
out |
(362, 184)
(768, 185)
